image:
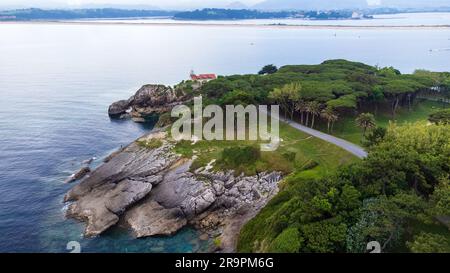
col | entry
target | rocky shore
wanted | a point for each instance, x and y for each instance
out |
(150, 99)
(152, 191)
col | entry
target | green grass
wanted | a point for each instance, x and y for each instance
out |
(298, 151)
(150, 143)
(346, 127)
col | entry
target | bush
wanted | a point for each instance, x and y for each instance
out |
(150, 143)
(429, 243)
(290, 156)
(442, 116)
(310, 164)
(289, 241)
(234, 157)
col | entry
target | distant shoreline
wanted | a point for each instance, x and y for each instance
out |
(281, 26)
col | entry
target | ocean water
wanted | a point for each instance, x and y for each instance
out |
(57, 80)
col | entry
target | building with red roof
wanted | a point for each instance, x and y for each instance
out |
(202, 78)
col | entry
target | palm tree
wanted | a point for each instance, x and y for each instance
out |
(334, 118)
(314, 110)
(330, 116)
(300, 107)
(366, 121)
(307, 111)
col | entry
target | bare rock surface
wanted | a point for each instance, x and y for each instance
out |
(149, 99)
(150, 218)
(78, 175)
(154, 192)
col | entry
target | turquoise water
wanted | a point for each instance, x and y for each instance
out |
(56, 82)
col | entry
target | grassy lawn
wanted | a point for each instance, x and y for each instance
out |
(346, 128)
(298, 151)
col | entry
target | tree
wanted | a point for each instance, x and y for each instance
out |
(268, 69)
(383, 220)
(429, 243)
(375, 137)
(410, 157)
(440, 200)
(365, 121)
(388, 71)
(398, 90)
(376, 96)
(330, 116)
(300, 107)
(324, 236)
(238, 97)
(314, 109)
(287, 96)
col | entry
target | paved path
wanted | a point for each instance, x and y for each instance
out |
(348, 146)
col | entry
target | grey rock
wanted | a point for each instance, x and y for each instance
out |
(78, 175)
(150, 219)
(148, 100)
(118, 108)
(154, 192)
(100, 207)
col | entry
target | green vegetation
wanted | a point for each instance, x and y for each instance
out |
(268, 69)
(347, 129)
(237, 156)
(441, 116)
(242, 14)
(330, 96)
(150, 143)
(329, 201)
(429, 243)
(404, 180)
(366, 121)
(297, 151)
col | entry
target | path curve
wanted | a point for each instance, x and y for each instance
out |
(344, 144)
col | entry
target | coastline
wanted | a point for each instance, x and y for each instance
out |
(190, 24)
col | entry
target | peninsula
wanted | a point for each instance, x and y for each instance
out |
(371, 179)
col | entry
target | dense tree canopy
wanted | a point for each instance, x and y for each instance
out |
(404, 180)
(344, 86)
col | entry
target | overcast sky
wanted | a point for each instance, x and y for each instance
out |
(157, 3)
(180, 4)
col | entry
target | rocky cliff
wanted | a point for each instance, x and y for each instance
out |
(154, 192)
(149, 100)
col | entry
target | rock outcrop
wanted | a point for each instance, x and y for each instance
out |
(150, 218)
(149, 100)
(78, 175)
(153, 192)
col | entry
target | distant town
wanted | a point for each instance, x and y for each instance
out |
(32, 14)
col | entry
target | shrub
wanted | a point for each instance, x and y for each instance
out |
(234, 157)
(288, 241)
(150, 143)
(441, 116)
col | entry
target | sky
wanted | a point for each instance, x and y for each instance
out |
(168, 4)
(154, 3)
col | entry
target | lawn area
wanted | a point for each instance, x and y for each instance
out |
(298, 151)
(346, 127)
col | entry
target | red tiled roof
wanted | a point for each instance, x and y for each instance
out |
(203, 77)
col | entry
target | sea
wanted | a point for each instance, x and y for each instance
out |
(57, 80)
